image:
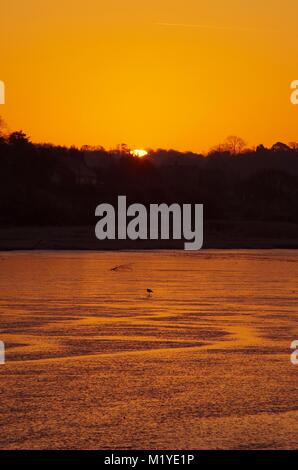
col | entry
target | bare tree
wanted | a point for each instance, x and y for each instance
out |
(234, 144)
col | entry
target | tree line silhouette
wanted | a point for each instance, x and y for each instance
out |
(44, 184)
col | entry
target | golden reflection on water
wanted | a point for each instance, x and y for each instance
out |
(94, 362)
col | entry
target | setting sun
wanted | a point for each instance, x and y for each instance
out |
(138, 153)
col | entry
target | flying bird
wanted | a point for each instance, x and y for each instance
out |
(122, 267)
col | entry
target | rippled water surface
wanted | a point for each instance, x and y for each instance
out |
(94, 362)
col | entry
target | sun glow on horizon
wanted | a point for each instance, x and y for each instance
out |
(140, 153)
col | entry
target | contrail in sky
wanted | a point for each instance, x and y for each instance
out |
(203, 26)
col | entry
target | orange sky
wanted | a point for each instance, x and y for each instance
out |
(151, 73)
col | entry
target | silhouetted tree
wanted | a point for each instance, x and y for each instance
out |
(234, 144)
(280, 147)
(18, 138)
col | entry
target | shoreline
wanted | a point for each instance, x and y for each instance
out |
(217, 235)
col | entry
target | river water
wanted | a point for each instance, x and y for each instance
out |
(94, 362)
